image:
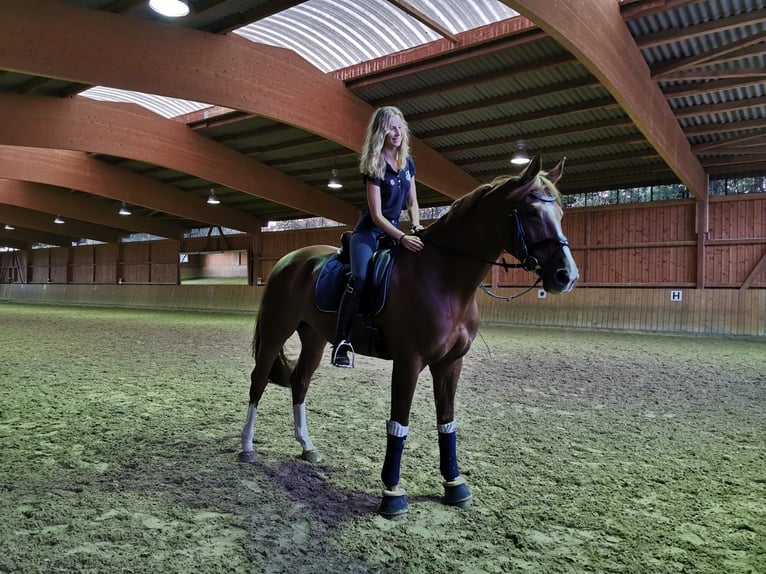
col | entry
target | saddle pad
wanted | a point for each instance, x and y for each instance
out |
(333, 279)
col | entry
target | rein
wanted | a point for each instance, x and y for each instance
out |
(488, 291)
(452, 251)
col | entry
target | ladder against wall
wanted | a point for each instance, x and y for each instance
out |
(11, 268)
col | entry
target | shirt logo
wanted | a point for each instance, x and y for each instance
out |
(393, 182)
(407, 175)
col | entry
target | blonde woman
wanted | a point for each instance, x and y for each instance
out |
(389, 176)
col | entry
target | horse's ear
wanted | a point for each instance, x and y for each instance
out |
(555, 174)
(531, 170)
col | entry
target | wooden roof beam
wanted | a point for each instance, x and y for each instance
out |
(83, 172)
(73, 228)
(89, 125)
(595, 32)
(477, 80)
(706, 57)
(51, 199)
(22, 239)
(673, 35)
(52, 39)
(483, 40)
(683, 90)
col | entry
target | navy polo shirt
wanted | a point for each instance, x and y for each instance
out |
(394, 188)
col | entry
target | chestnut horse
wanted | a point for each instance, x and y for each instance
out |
(429, 320)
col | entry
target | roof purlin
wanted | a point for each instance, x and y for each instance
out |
(596, 33)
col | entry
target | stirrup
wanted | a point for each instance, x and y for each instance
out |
(342, 360)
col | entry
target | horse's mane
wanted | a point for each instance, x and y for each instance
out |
(468, 201)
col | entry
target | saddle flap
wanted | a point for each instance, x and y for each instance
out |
(333, 278)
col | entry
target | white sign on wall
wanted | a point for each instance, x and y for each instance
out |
(677, 296)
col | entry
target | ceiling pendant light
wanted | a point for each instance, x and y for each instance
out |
(520, 156)
(212, 199)
(334, 182)
(124, 210)
(170, 8)
(59, 220)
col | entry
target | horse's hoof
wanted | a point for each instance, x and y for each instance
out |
(457, 493)
(311, 456)
(393, 504)
(246, 457)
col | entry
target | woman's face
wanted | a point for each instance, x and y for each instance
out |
(394, 133)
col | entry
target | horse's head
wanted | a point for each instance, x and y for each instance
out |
(536, 238)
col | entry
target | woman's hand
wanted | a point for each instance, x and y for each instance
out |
(411, 242)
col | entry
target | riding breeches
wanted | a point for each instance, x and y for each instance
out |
(363, 244)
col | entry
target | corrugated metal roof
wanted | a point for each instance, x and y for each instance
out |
(334, 34)
(331, 34)
(161, 105)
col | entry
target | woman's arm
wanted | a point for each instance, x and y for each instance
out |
(413, 209)
(410, 242)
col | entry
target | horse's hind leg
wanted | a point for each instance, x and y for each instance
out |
(266, 353)
(312, 348)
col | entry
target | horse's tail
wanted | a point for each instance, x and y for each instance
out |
(280, 371)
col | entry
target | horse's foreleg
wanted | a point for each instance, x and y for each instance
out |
(404, 379)
(445, 376)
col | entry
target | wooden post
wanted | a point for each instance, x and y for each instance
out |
(703, 232)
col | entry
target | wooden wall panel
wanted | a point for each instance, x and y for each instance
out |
(574, 227)
(163, 251)
(731, 265)
(226, 264)
(82, 268)
(738, 217)
(40, 257)
(700, 312)
(59, 256)
(135, 264)
(637, 245)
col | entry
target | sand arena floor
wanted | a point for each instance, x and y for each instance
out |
(586, 452)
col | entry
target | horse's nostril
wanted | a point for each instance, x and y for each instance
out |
(562, 276)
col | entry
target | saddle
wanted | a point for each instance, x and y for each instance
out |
(336, 271)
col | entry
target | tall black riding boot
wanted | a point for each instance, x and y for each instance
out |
(349, 306)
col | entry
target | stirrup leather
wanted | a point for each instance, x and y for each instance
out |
(347, 347)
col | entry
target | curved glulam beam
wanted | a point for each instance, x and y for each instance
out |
(78, 170)
(595, 32)
(51, 199)
(22, 239)
(51, 39)
(129, 131)
(43, 221)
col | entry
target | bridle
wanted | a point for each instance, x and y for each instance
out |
(529, 262)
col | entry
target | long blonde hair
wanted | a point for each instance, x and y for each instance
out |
(371, 163)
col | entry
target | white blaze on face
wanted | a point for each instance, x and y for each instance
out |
(552, 210)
